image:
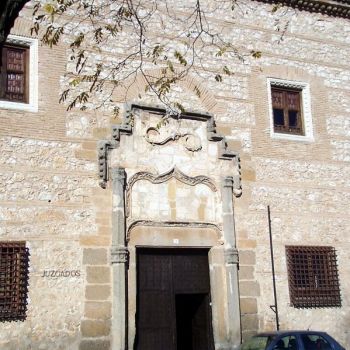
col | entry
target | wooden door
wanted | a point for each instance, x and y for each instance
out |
(173, 300)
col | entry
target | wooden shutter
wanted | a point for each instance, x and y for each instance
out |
(14, 74)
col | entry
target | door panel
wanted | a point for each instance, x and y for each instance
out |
(173, 299)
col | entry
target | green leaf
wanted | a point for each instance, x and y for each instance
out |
(256, 54)
(49, 8)
(180, 58)
(218, 78)
(180, 107)
(227, 71)
(197, 91)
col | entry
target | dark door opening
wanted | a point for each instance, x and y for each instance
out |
(192, 321)
(173, 300)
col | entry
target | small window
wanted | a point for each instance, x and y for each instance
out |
(19, 74)
(286, 110)
(290, 110)
(313, 276)
(14, 74)
(14, 260)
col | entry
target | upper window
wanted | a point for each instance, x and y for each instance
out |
(286, 111)
(290, 110)
(14, 74)
(14, 258)
(313, 276)
(19, 74)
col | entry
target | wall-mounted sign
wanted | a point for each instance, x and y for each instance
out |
(61, 273)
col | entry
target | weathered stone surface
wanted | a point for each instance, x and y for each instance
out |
(98, 310)
(249, 288)
(246, 257)
(250, 322)
(246, 272)
(95, 256)
(95, 328)
(97, 292)
(98, 274)
(248, 306)
(98, 344)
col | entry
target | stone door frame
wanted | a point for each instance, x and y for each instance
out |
(190, 237)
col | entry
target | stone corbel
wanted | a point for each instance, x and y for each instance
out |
(119, 255)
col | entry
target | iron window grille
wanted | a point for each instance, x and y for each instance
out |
(14, 262)
(313, 276)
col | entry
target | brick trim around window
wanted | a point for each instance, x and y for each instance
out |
(313, 276)
(290, 110)
(14, 262)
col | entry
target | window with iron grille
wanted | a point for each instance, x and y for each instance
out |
(14, 260)
(14, 74)
(313, 276)
(287, 113)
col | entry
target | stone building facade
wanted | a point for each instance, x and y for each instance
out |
(91, 195)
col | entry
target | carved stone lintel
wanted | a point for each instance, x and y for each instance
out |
(119, 255)
(173, 173)
(215, 227)
(231, 256)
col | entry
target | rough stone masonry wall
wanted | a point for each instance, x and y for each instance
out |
(50, 195)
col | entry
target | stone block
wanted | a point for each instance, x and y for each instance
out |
(98, 274)
(100, 133)
(98, 310)
(86, 154)
(246, 243)
(248, 175)
(95, 256)
(246, 272)
(97, 292)
(234, 145)
(224, 129)
(89, 145)
(249, 289)
(104, 230)
(250, 322)
(247, 257)
(247, 334)
(95, 328)
(101, 240)
(248, 306)
(98, 344)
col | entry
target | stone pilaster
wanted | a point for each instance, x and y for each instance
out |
(231, 265)
(119, 258)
